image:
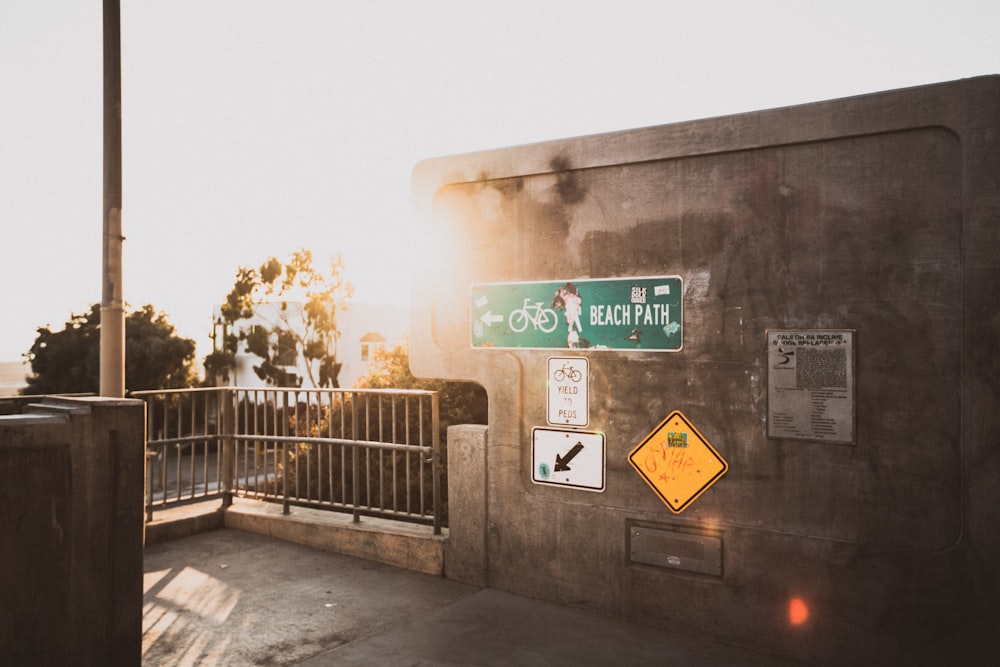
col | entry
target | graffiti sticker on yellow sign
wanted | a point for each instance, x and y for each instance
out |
(677, 462)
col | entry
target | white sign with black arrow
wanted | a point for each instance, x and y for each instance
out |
(568, 458)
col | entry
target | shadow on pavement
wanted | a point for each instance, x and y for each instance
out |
(227, 597)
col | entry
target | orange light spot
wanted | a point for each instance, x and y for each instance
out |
(798, 611)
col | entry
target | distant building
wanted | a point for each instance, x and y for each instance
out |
(364, 328)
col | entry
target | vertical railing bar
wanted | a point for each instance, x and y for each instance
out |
(148, 466)
(314, 426)
(309, 457)
(219, 428)
(317, 455)
(194, 449)
(307, 450)
(285, 506)
(294, 426)
(259, 457)
(406, 439)
(329, 427)
(279, 462)
(260, 426)
(180, 449)
(204, 430)
(257, 453)
(244, 406)
(286, 426)
(243, 451)
(259, 448)
(211, 436)
(381, 454)
(436, 461)
(354, 457)
(421, 466)
(226, 450)
(316, 398)
(368, 452)
(343, 449)
(276, 428)
(177, 450)
(290, 452)
(395, 456)
(164, 457)
(253, 422)
(204, 442)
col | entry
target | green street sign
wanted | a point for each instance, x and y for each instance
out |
(606, 314)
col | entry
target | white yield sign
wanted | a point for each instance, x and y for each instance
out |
(568, 384)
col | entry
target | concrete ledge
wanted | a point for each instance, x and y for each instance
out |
(408, 546)
(178, 522)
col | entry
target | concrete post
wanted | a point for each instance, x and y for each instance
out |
(465, 550)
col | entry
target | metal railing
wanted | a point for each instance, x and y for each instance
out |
(372, 452)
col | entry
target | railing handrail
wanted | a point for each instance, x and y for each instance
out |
(306, 440)
(289, 390)
(268, 437)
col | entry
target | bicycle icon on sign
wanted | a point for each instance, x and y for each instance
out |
(568, 371)
(543, 319)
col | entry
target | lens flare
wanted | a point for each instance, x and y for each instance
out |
(798, 611)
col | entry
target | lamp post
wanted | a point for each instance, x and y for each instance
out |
(112, 300)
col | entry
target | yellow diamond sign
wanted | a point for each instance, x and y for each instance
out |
(677, 462)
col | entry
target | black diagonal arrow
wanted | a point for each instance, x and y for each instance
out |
(562, 464)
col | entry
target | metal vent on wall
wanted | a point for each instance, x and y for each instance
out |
(675, 550)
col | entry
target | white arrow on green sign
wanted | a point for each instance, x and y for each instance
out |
(602, 314)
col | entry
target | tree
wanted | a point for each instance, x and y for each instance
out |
(68, 361)
(290, 313)
(460, 402)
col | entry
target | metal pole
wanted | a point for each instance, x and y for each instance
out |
(112, 300)
(229, 399)
(355, 477)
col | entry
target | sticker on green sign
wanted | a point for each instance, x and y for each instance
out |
(598, 314)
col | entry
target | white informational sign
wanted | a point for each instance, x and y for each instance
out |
(568, 391)
(568, 458)
(810, 385)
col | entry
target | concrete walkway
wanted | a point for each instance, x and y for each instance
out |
(228, 597)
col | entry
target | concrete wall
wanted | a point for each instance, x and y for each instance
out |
(71, 533)
(878, 214)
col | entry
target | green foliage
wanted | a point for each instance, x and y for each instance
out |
(399, 481)
(460, 402)
(68, 361)
(218, 363)
(301, 324)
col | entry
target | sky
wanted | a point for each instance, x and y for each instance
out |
(253, 128)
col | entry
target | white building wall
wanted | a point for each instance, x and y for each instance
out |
(359, 319)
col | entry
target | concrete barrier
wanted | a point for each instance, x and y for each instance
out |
(408, 546)
(845, 511)
(71, 533)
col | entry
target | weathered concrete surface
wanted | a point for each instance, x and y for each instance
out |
(409, 546)
(228, 597)
(465, 548)
(879, 214)
(71, 533)
(184, 521)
